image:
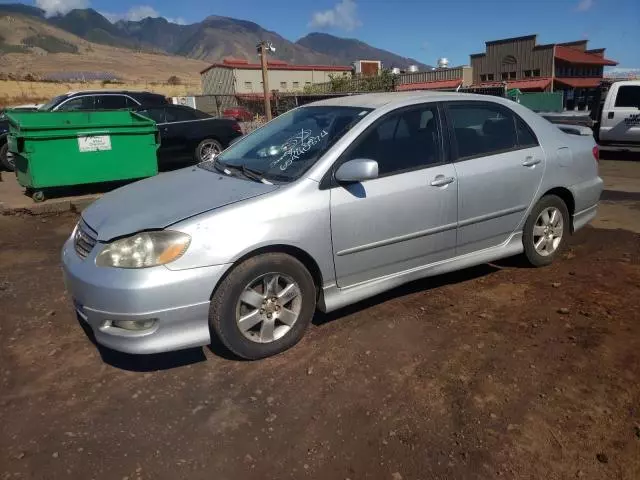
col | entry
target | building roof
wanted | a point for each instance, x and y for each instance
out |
(430, 85)
(574, 55)
(580, 82)
(526, 84)
(242, 64)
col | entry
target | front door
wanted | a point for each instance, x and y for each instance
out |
(405, 218)
(499, 169)
(620, 122)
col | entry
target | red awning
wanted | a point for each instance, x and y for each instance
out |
(429, 85)
(532, 84)
(573, 55)
(580, 82)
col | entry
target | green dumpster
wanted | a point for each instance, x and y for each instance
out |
(59, 149)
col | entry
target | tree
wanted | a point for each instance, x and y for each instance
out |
(173, 80)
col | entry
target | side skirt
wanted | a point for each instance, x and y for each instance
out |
(333, 297)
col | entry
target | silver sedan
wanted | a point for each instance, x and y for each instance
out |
(325, 206)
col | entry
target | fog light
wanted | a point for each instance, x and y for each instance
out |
(135, 324)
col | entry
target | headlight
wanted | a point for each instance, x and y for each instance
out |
(144, 249)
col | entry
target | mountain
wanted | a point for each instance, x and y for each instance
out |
(347, 50)
(158, 32)
(90, 25)
(210, 40)
(218, 37)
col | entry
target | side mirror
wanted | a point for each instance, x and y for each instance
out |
(357, 170)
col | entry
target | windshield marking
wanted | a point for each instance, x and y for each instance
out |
(297, 146)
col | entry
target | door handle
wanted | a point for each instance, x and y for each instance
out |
(441, 181)
(530, 162)
(610, 115)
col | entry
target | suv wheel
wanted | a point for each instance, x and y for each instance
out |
(546, 231)
(6, 161)
(264, 306)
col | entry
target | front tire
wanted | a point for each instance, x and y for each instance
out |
(264, 306)
(546, 231)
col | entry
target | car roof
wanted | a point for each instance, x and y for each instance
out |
(132, 93)
(378, 100)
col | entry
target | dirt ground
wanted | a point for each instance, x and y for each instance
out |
(496, 371)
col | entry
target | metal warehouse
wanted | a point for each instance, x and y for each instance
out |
(237, 76)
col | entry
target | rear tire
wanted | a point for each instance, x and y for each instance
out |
(264, 306)
(9, 165)
(206, 147)
(546, 231)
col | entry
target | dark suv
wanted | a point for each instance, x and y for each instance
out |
(86, 100)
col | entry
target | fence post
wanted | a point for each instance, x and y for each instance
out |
(215, 98)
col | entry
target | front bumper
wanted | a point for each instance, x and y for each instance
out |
(178, 301)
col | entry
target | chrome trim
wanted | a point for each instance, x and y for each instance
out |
(84, 239)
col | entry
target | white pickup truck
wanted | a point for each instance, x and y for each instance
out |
(616, 116)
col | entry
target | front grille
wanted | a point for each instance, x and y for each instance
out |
(84, 239)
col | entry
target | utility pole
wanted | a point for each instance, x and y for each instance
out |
(263, 47)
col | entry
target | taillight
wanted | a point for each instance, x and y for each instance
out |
(236, 126)
(596, 153)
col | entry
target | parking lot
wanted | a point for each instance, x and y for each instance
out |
(495, 371)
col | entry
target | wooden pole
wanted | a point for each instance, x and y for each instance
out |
(265, 81)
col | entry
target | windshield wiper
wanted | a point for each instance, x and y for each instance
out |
(247, 172)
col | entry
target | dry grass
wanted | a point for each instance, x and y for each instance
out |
(18, 93)
(140, 71)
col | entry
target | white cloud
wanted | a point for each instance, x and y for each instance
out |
(55, 7)
(140, 12)
(343, 16)
(584, 5)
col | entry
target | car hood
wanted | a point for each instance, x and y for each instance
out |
(160, 201)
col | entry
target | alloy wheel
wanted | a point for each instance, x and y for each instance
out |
(268, 307)
(547, 231)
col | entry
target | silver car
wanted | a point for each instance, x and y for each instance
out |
(326, 205)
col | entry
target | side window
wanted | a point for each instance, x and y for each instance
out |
(176, 114)
(628, 96)
(75, 104)
(155, 114)
(481, 129)
(131, 103)
(402, 141)
(111, 102)
(526, 137)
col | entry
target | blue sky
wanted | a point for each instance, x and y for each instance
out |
(423, 29)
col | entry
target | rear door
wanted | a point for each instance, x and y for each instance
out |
(174, 133)
(499, 168)
(620, 122)
(405, 218)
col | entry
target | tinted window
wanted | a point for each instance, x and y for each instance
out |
(177, 114)
(78, 103)
(402, 141)
(155, 114)
(481, 129)
(526, 137)
(628, 96)
(111, 102)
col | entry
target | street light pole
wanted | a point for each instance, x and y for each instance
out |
(262, 49)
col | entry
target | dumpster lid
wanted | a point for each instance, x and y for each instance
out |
(35, 121)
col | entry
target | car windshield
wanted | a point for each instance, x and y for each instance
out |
(288, 146)
(52, 103)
